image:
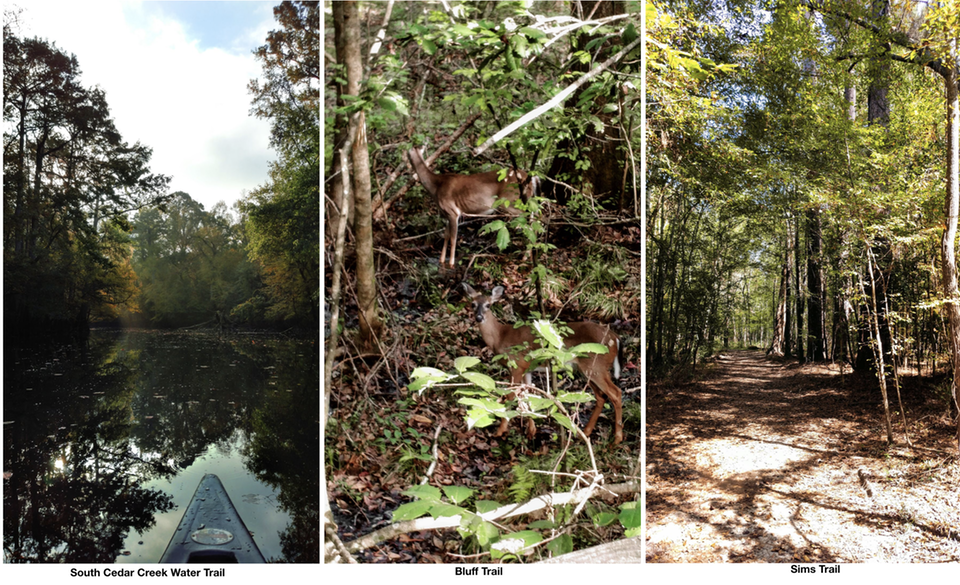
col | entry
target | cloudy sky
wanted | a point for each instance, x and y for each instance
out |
(175, 76)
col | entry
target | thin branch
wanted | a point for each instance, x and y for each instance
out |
(557, 99)
(338, 264)
(923, 55)
(380, 35)
(433, 464)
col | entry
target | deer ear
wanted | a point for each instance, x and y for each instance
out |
(470, 292)
(495, 293)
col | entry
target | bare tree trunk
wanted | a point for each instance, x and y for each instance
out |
(841, 315)
(370, 324)
(878, 113)
(815, 341)
(878, 341)
(779, 322)
(341, 123)
(787, 322)
(850, 94)
(948, 244)
(799, 289)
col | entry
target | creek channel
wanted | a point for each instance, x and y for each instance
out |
(106, 441)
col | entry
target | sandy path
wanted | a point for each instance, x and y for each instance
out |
(765, 462)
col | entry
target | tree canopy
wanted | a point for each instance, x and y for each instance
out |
(69, 181)
(799, 168)
(91, 233)
(283, 216)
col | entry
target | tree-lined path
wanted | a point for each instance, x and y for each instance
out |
(764, 460)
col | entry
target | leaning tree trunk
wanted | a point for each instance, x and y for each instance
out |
(878, 346)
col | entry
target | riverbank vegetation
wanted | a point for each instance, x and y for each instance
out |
(91, 232)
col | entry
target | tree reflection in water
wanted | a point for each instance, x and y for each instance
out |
(86, 427)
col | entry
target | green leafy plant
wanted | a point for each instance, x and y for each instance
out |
(522, 483)
(451, 502)
(481, 394)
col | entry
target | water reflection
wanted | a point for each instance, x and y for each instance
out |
(105, 443)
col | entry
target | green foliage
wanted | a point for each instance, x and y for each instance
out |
(740, 158)
(482, 396)
(488, 537)
(282, 217)
(522, 483)
(630, 518)
(283, 231)
(452, 501)
(598, 272)
(501, 60)
(191, 264)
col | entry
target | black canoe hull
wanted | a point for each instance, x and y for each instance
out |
(211, 531)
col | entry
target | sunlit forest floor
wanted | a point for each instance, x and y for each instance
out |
(768, 461)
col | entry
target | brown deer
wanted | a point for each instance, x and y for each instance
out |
(469, 195)
(504, 339)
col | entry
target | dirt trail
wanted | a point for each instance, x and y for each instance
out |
(762, 461)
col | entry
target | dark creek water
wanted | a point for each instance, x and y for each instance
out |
(105, 443)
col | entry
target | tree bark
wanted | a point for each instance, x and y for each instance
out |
(788, 299)
(878, 113)
(799, 289)
(341, 124)
(878, 348)
(841, 322)
(370, 324)
(948, 244)
(779, 321)
(815, 341)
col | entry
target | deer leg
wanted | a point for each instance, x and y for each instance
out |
(452, 237)
(615, 395)
(596, 412)
(446, 242)
(605, 390)
(531, 426)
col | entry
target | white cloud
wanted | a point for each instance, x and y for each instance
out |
(189, 105)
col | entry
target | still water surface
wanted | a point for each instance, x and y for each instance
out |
(105, 443)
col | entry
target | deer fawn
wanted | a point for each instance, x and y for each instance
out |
(469, 195)
(503, 339)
